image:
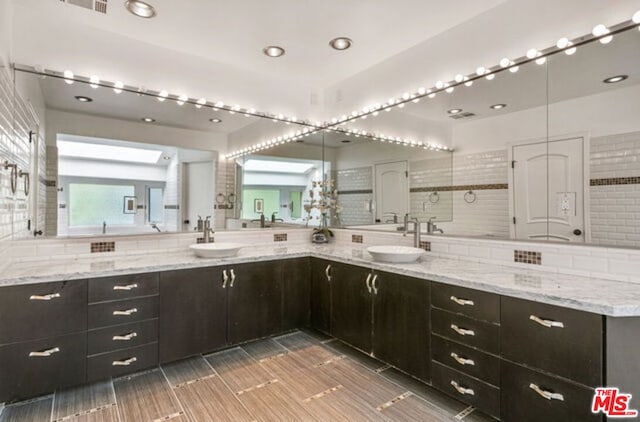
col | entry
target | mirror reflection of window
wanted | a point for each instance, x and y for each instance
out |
(92, 204)
(270, 202)
(155, 207)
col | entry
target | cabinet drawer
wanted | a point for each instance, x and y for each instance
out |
(521, 402)
(122, 362)
(37, 311)
(122, 336)
(123, 287)
(39, 367)
(561, 341)
(483, 335)
(473, 303)
(465, 359)
(469, 390)
(122, 312)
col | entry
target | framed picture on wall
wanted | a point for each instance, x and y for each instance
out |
(258, 206)
(130, 205)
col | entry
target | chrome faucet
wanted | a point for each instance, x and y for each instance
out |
(155, 227)
(262, 221)
(274, 219)
(432, 228)
(104, 227)
(417, 231)
(395, 217)
(207, 231)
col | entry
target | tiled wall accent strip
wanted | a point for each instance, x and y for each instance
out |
(527, 257)
(355, 192)
(172, 207)
(280, 237)
(425, 245)
(356, 238)
(616, 181)
(98, 247)
(460, 187)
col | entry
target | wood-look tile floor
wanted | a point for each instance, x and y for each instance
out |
(301, 376)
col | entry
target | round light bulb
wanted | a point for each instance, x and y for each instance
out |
(421, 91)
(406, 96)
(636, 17)
(563, 43)
(117, 87)
(439, 85)
(201, 102)
(94, 81)
(532, 53)
(163, 95)
(514, 69)
(182, 99)
(459, 78)
(480, 71)
(449, 89)
(541, 60)
(599, 31)
(467, 82)
(505, 62)
(490, 76)
(68, 77)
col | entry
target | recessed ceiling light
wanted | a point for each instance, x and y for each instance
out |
(148, 120)
(273, 51)
(454, 111)
(83, 99)
(614, 79)
(341, 43)
(498, 106)
(166, 158)
(140, 8)
(215, 120)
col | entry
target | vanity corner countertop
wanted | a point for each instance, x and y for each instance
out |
(606, 297)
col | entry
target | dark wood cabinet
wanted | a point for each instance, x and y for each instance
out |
(255, 301)
(38, 367)
(294, 274)
(193, 312)
(401, 323)
(352, 305)
(44, 310)
(320, 301)
(523, 397)
(558, 340)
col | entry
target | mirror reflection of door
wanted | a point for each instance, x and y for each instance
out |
(561, 216)
(296, 204)
(392, 190)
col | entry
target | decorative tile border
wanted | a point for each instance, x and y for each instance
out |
(527, 257)
(355, 192)
(460, 187)
(357, 238)
(616, 181)
(172, 207)
(98, 247)
(50, 183)
(280, 237)
(425, 245)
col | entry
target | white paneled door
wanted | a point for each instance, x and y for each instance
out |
(392, 190)
(548, 190)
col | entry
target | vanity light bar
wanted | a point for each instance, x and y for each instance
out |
(600, 32)
(391, 139)
(271, 143)
(118, 87)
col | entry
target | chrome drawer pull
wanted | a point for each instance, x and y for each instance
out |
(462, 361)
(127, 312)
(546, 394)
(462, 331)
(45, 353)
(462, 302)
(546, 322)
(127, 287)
(125, 362)
(233, 278)
(326, 272)
(225, 278)
(462, 390)
(368, 280)
(45, 297)
(126, 337)
(373, 284)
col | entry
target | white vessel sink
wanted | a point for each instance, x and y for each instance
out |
(216, 250)
(395, 254)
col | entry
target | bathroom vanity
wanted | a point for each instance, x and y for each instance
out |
(511, 343)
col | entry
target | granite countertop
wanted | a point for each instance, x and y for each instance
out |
(607, 297)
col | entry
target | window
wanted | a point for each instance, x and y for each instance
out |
(155, 209)
(270, 202)
(93, 204)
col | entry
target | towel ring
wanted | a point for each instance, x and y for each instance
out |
(470, 197)
(13, 177)
(221, 198)
(434, 197)
(231, 198)
(27, 181)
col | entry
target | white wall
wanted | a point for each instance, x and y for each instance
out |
(200, 192)
(110, 170)
(6, 31)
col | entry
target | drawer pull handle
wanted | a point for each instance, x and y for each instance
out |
(462, 390)
(462, 331)
(44, 353)
(45, 297)
(546, 394)
(546, 322)
(225, 278)
(233, 278)
(127, 287)
(126, 337)
(127, 312)
(368, 281)
(327, 272)
(462, 302)
(125, 362)
(373, 284)
(462, 361)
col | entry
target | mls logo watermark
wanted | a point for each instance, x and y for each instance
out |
(612, 403)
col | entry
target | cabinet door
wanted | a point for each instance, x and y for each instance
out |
(295, 293)
(321, 271)
(193, 312)
(255, 301)
(401, 323)
(351, 306)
